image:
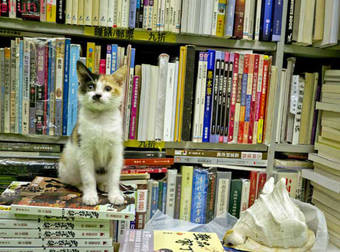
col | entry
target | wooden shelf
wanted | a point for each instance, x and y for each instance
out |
(292, 148)
(312, 52)
(18, 27)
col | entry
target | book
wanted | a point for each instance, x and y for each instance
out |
(186, 193)
(171, 192)
(229, 23)
(222, 189)
(210, 195)
(239, 19)
(266, 21)
(277, 20)
(235, 197)
(178, 196)
(141, 205)
(199, 196)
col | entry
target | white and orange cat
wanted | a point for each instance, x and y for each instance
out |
(94, 153)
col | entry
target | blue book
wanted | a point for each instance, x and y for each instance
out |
(164, 191)
(229, 18)
(277, 20)
(132, 14)
(154, 199)
(21, 83)
(114, 58)
(73, 88)
(199, 196)
(66, 84)
(266, 22)
(208, 96)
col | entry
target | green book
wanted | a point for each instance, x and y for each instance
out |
(186, 194)
(160, 195)
(235, 197)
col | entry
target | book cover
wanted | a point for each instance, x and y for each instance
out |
(277, 20)
(235, 197)
(186, 194)
(49, 197)
(239, 19)
(222, 192)
(199, 196)
(267, 20)
(178, 192)
(171, 192)
(66, 85)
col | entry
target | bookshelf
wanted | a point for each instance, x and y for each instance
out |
(17, 28)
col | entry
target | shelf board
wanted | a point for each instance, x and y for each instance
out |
(311, 52)
(322, 180)
(33, 138)
(235, 167)
(292, 148)
(215, 146)
(18, 27)
(327, 106)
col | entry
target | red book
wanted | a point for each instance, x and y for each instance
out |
(262, 178)
(141, 205)
(144, 170)
(239, 19)
(268, 90)
(149, 161)
(102, 66)
(233, 99)
(253, 187)
(253, 99)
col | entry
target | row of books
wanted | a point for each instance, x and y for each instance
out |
(259, 20)
(297, 118)
(314, 22)
(326, 174)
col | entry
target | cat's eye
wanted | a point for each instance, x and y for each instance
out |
(90, 86)
(108, 88)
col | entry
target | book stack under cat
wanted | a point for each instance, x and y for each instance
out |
(326, 175)
(45, 215)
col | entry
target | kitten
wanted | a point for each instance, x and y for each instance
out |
(94, 153)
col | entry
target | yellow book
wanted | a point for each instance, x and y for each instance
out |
(181, 103)
(81, 7)
(97, 54)
(95, 12)
(186, 188)
(51, 11)
(90, 56)
(220, 18)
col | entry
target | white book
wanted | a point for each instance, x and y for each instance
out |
(68, 12)
(171, 192)
(108, 59)
(143, 109)
(185, 13)
(26, 87)
(115, 12)
(88, 12)
(201, 14)
(174, 101)
(214, 17)
(119, 13)
(197, 17)
(151, 115)
(168, 112)
(110, 13)
(177, 16)
(17, 84)
(125, 13)
(331, 23)
(245, 195)
(191, 16)
(301, 20)
(163, 61)
(297, 118)
(95, 12)
(308, 22)
(246, 23)
(208, 18)
(161, 13)
(171, 18)
(81, 12)
(251, 20)
(197, 104)
(75, 4)
(280, 108)
(12, 9)
(258, 19)
(103, 12)
(168, 14)
(156, 16)
(202, 98)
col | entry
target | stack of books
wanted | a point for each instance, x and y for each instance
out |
(313, 22)
(297, 118)
(45, 214)
(326, 175)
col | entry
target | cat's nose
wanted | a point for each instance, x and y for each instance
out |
(96, 97)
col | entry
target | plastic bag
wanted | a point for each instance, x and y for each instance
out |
(315, 220)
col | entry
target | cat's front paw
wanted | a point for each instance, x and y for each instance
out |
(116, 199)
(90, 199)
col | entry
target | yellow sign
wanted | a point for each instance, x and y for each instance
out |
(145, 144)
(130, 34)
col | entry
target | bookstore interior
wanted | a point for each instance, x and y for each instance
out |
(169, 125)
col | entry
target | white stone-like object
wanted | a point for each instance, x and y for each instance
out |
(274, 221)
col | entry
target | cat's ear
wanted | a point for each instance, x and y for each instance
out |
(84, 74)
(120, 75)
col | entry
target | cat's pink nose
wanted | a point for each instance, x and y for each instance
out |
(96, 97)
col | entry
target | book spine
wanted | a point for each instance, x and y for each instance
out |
(221, 99)
(18, 8)
(66, 85)
(30, 147)
(246, 19)
(141, 206)
(7, 91)
(258, 99)
(248, 98)
(39, 113)
(154, 198)
(235, 197)
(228, 95)
(108, 59)
(132, 14)
(95, 12)
(170, 196)
(199, 196)
(262, 178)
(187, 176)
(229, 23)
(253, 98)
(167, 15)
(232, 106)
(238, 98)
(258, 20)
(208, 96)
(88, 12)
(164, 199)
(32, 85)
(72, 225)
(266, 68)
(277, 20)
(146, 13)
(224, 99)
(214, 109)
(60, 12)
(75, 5)
(13, 92)
(129, 93)
(221, 18)
(244, 195)
(20, 84)
(81, 15)
(134, 106)
(68, 12)
(59, 86)
(160, 195)
(144, 170)
(76, 243)
(18, 242)
(125, 13)
(221, 193)
(103, 11)
(290, 22)
(210, 206)
(178, 191)
(43, 10)
(18, 224)
(51, 11)
(203, 95)
(297, 117)
(90, 56)
(52, 97)
(2, 88)
(4, 8)
(11, 11)
(46, 89)
(177, 16)
(243, 98)
(267, 20)
(138, 13)
(253, 187)
(239, 19)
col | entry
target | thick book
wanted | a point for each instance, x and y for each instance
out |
(199, 196)
(235, 197)
(49, 197)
